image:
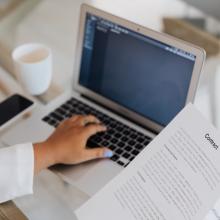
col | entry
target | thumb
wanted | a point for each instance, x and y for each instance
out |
(90, 154)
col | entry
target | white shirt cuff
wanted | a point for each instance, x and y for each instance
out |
(16, 171)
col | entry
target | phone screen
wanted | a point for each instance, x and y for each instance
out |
(12, 106)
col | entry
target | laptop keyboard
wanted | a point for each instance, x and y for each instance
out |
(125, 142)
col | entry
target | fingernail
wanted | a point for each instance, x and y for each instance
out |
(108, 153)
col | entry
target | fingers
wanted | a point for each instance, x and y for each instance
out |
(90, 154)
(92, 129)
(80, 120)
(84, 120)
(74, 118)
(68, 122)
(90, 124)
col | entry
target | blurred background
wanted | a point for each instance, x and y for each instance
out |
(55, 23)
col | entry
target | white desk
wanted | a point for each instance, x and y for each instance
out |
(53, 198)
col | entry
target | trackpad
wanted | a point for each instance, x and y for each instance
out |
(89, 177)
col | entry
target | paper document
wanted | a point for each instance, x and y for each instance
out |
(176, 177)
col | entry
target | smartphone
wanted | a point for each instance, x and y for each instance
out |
(12, 108)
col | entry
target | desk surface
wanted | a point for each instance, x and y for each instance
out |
(53, 198)
(56, 199)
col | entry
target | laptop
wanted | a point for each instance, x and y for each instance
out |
(135, 80)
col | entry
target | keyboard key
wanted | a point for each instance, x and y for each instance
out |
(61, 111)
(135, 152)
(126, 132)
(139, 146)
(92, 144)
(66, 107)
(106, 121)
(133, 136)
(57, 117)
(105, 143)
(112, 125)
(119, 127)
(126, 164)
(93, 112)
(119, 151)
(80, 108)
(101, 134)
(52, 122)
(148, 138)
(74, 101)
(140, 139)
(146, 142)
(124, 139)
(114, 140)
(46, 119)
(118, 135)
(124, 160)
(131, 142)
(121, 144)
(120, 163)
(107, 137)
(132, 158)
(115, 157)
(97, 139)
(69, 102)
(128, 148)
(101, 117)
(112, 147)
(87, 111)
(126, 155)
(111, 131)
(73, 111)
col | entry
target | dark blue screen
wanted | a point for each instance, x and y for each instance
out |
(137, 72)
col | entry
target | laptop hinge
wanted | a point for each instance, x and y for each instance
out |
(117, 113)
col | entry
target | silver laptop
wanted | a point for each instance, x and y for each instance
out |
(133, 79)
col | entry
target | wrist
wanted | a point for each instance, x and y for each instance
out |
(43, 156)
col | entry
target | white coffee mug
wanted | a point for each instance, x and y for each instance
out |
(33, 67)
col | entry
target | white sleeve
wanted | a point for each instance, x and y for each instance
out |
(16, 171)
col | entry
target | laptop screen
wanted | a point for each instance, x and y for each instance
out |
(144, 75)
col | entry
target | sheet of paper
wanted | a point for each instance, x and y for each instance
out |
(177, 176)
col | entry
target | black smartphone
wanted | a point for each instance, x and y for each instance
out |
(13, 107)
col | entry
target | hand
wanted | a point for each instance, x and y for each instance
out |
(67, 145)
